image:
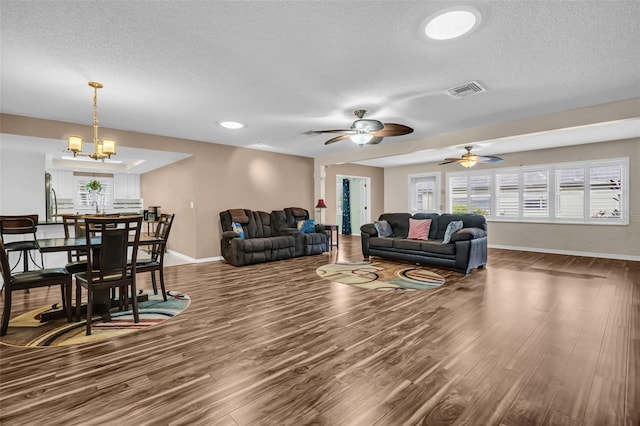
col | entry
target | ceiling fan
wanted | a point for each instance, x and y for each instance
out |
(470, 160)
(365, 131)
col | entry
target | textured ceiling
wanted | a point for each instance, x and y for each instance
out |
(286, 67)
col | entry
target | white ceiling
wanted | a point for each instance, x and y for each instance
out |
(285, 67)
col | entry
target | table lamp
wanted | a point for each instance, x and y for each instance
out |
(319, 206)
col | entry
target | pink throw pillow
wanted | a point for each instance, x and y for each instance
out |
(419, 229)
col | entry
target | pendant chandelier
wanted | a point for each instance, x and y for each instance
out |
(102, 149)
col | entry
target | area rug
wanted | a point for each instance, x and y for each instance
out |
(381, 276)
(29, 330)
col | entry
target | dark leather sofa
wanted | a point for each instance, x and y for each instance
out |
(267, 237)
(467, 249)
(285, 222)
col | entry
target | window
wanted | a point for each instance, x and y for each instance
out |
(82, 199)
(535, 194)
(578, 192)
(458, 195)
(570, 193)
(605, 194)
(508, 194)
(470, 194)
(479, 194)
(424, 193)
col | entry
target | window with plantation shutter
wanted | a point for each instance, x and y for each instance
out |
(424, 193)
(480, 194)
(570, 193)
(593, 192)
(82, 199)
(535, 194)
(508, 195)
(458, 198)
(605, 191)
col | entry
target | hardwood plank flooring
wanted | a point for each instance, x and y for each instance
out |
(532, 339)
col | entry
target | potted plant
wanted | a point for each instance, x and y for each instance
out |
(94, 185)
(95, 190)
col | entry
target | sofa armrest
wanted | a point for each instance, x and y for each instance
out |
(287, 231)
(370, 229)
(367, 231)
(227, 235)
(466, 234)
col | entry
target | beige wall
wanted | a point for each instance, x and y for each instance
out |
(377, 187)
(617, 241)
(217, 177)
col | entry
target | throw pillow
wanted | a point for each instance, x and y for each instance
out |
(307, 226)
(383, 228)
(419, 229)
(452, 227)
(237, 228)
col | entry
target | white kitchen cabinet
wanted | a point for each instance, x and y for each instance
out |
(62, 183)
(126, 186)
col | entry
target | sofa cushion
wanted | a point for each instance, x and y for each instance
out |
(433, 246)
(403, 244)
(419, 228)
(378, 242)
(383, 228)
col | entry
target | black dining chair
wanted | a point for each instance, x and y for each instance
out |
(74, 227)
(108, 265)
(26, 226)
(156, 261)
(31, 279)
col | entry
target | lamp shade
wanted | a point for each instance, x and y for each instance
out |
(321, 204)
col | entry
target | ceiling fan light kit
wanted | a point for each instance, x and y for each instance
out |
(366, 131)
(361, 138)
(469, 159)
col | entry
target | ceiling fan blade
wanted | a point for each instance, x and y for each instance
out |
(336, 139)
(376, 140)
(393, 129)
(345, 131)
(451, 160)
(490, 159)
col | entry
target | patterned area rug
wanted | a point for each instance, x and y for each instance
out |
(29, 329)
(381, 276)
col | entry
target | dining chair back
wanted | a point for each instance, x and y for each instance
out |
(74, 227)
(26, 226)
(156, 261)
(108, 265)
(31, 279)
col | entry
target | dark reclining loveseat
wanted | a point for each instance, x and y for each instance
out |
(466, 250)
(266, 237)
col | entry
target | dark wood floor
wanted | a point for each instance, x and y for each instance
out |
(532, 339)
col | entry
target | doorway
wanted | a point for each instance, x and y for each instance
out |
(359, 198)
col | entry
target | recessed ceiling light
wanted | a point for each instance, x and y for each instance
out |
(451, 23)
(231, 125)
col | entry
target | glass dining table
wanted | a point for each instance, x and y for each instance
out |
(53, 245)
(50, 245)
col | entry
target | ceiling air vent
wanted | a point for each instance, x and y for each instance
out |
(470, 88)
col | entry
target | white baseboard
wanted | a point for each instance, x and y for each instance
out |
(568, 252)
(193, 260)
